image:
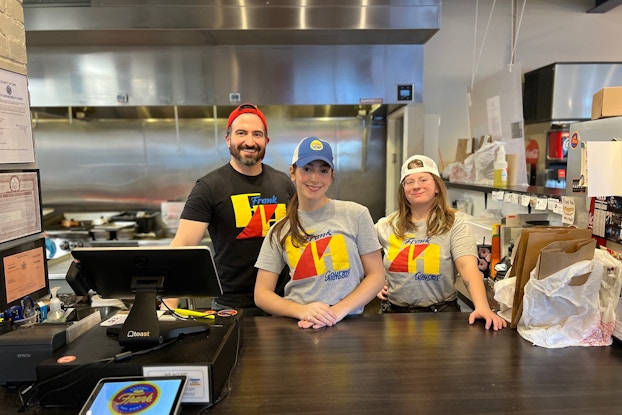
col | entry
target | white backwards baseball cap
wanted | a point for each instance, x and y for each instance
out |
(418, 164)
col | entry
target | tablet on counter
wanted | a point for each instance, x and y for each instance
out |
(144, 395)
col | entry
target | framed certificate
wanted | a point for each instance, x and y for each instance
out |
(20, 204)
(16, 141)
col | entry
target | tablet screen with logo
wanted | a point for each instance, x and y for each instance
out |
(136, 395)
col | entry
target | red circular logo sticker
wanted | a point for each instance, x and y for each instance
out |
(532, 152)
(65, 359)
(574, 140)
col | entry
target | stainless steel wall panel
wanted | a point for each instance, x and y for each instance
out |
(136, 164)
(91, 77)
(267, 75)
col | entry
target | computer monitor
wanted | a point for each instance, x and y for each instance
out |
(23, 275)
(146, 274)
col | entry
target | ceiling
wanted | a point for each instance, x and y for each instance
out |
(225, 22)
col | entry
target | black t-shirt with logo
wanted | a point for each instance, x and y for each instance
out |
(239, 210)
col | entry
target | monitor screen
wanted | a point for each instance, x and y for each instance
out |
(23, 272)
(146, 274)
(177, 271)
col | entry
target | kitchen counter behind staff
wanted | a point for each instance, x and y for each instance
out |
(237, 203)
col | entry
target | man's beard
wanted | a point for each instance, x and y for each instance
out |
(248, 160)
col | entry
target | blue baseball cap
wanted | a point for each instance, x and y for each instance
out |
(310, 149)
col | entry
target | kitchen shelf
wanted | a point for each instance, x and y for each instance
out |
(537, 190)
(529, 190)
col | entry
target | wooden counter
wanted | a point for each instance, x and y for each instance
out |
(416, 363)
(410, 364)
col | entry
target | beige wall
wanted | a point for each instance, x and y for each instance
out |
(12, 36)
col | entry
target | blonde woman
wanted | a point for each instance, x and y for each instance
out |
(426, 245)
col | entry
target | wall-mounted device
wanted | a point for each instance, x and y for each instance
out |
(123, 98)
(405, 92)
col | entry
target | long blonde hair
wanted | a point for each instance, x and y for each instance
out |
(440, 218)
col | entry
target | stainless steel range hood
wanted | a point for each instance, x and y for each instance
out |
(156, 53)
(224, 22)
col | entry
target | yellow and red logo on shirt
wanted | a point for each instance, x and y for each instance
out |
(324, 253)
(256, 214)
(412, 255)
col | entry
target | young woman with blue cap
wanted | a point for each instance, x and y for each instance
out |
(330, 247)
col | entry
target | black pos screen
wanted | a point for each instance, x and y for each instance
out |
(145, 274)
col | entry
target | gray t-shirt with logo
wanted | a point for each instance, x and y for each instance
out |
(328, 267)
(420, 270)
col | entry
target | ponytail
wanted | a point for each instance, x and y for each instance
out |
(295, 229)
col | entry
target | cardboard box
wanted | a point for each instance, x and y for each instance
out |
(607, 103)
(465, 147)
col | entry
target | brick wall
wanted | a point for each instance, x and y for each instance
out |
(12, 36)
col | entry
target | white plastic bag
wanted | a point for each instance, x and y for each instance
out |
(478, 168)
(559, 314)
(504, 294)
(610, 288)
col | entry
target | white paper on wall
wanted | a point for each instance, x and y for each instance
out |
(604, 168)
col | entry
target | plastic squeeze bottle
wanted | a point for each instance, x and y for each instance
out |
(56, 313)
(501, 169)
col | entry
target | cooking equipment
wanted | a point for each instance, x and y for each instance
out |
(61, 239)
(145, 221)
(70, 223)
(119, 230)
(66, 231)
